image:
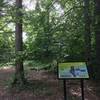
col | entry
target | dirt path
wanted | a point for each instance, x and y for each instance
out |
(44, 86)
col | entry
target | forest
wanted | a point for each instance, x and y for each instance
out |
(37, 35)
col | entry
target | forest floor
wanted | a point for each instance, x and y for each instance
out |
(45, 86)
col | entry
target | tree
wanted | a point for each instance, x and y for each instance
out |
(19, 72)
(53, 27)
(87, 34)
(97, 34)
(87, 30)
(6, 32)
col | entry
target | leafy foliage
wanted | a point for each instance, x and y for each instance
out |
(54, 30)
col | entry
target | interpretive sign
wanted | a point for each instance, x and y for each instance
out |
(72, 70)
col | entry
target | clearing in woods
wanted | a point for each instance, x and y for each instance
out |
(44, 85)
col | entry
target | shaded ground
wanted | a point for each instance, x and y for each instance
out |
(45, 86)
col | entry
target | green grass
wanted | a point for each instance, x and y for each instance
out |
(7, 64)
(27, 64)
(35, 64)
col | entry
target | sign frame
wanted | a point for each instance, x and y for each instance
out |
(70, 77)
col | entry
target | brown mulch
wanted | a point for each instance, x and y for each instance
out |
(44, 86)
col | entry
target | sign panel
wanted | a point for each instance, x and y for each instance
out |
(72, 70)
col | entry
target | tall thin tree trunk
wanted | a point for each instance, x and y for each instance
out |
(19, 70)
(87, 34)
(97, 34)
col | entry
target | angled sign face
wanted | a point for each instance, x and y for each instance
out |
(72, 70)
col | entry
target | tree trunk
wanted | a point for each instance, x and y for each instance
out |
(87, 35)
(97, 34)
(19, 70)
